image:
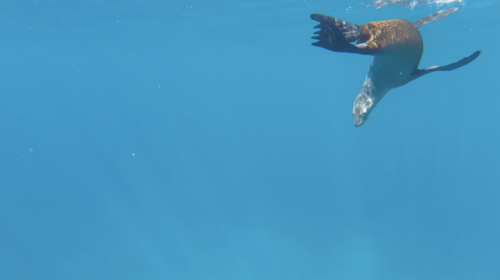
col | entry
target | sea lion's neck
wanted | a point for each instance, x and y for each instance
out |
(394, 69)
(387, 71)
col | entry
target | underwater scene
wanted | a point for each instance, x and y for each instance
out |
(239, 140)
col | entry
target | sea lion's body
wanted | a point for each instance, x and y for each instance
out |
(397, 48)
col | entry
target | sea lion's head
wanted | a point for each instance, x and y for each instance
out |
(364, 102)
(363, 105)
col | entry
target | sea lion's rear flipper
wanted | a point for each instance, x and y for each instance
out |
(337, 35)
(462, 62)
(435, 16)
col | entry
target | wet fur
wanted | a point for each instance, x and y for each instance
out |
(397, 48)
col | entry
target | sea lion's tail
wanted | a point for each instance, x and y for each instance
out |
(435, 16)
(452, 66)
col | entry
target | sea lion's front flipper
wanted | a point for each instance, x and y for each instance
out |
(337, 35)
(435, 16)
(462, 62)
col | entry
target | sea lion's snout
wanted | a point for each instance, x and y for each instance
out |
(360, 116)
(359, 120)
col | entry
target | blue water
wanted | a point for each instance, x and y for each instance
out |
(196, 140)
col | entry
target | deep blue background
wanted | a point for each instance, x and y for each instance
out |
(198, 140)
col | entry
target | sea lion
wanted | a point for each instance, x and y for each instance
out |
(396, 46)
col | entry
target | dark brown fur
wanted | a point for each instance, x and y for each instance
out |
(397, 48)
(389, 33)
